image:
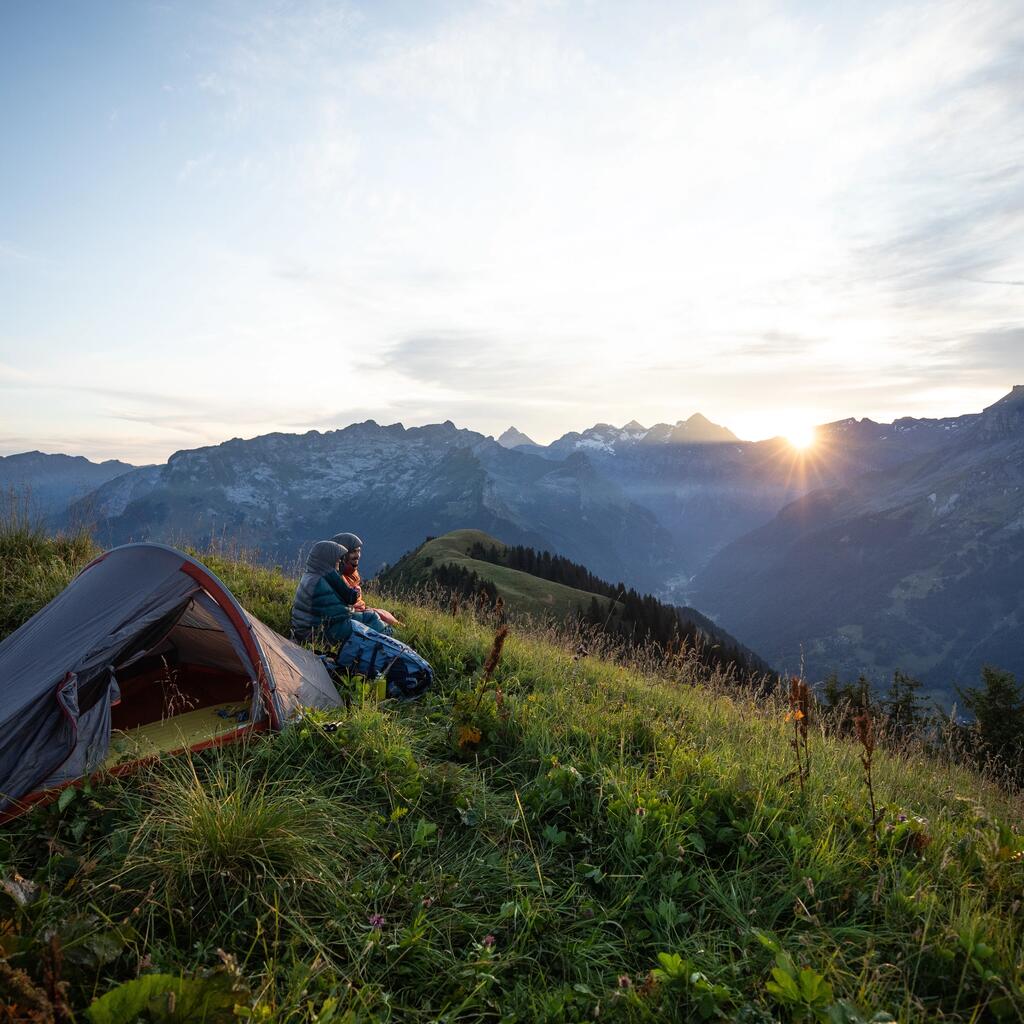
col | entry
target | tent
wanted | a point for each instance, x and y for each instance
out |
(146, 651)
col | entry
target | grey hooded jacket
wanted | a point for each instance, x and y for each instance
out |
(323, 601)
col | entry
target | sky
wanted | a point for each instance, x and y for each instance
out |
(222, 219)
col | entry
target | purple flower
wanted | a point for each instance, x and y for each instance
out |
(902, 817)
(376, 920)
(489, 941)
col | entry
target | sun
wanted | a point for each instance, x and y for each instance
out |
(801, 438)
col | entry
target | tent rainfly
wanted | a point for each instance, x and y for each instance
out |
(146, 651)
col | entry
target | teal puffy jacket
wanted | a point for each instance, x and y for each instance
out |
(323, 600)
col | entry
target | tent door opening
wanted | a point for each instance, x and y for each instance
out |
(190, 687)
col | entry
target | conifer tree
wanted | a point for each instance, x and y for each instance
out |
(904, 707)
(998, 709)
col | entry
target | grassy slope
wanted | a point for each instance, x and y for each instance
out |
(382, 870)
(526, 593)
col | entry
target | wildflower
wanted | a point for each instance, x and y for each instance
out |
(799, 703)
(798, 714)
(488, 941)
(649, 985)
(495, 656)
(920, 840)
(469, 736)
(641, 811)
(625, 981)
(865, 727)
(376, 920)
(428, 902)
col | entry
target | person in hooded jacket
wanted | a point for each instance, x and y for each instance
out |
(324, 602)
(350, 574)
(325, 609)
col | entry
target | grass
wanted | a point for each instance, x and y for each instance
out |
(571, 839)
(34, 568)
(539, 597)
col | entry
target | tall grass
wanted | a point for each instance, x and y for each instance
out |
(34, 567)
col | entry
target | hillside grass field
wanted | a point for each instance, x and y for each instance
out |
(570, 840)
(529, 594)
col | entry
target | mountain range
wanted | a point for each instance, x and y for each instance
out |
(49, 483)
(885, 545)
(919, 564)
(278, 492)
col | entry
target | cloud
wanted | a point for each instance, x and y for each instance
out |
(96, 447)
(476, 367)
(22, 380)
(772, 344)
(12, 375)
(985, 280)
(468, 64)
(1000, 351)
(11, 253)
(944, 206)
(951, 249)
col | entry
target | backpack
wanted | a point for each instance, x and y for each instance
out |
(370, 654)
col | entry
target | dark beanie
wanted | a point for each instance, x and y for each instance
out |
(348, 540)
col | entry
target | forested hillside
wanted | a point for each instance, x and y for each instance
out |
(471, 565)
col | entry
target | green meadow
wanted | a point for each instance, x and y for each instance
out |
(568, 839)
(522, 592)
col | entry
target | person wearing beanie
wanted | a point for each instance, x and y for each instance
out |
(350, 574)
(323, 600)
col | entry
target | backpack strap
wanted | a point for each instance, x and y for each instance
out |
(371, 669)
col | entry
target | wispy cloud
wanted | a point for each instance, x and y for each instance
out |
(16, 254)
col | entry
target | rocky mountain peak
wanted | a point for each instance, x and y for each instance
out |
(58, 461)
(513, 437)
(50, 482)
(1003, 419)
(698, 429)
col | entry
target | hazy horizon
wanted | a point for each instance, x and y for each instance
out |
(233, 218)
(486, 433)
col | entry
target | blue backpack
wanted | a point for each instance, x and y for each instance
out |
(371, 654)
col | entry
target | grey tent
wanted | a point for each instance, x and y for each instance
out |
(144, 652)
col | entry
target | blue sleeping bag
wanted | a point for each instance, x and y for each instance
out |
(365, 652)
